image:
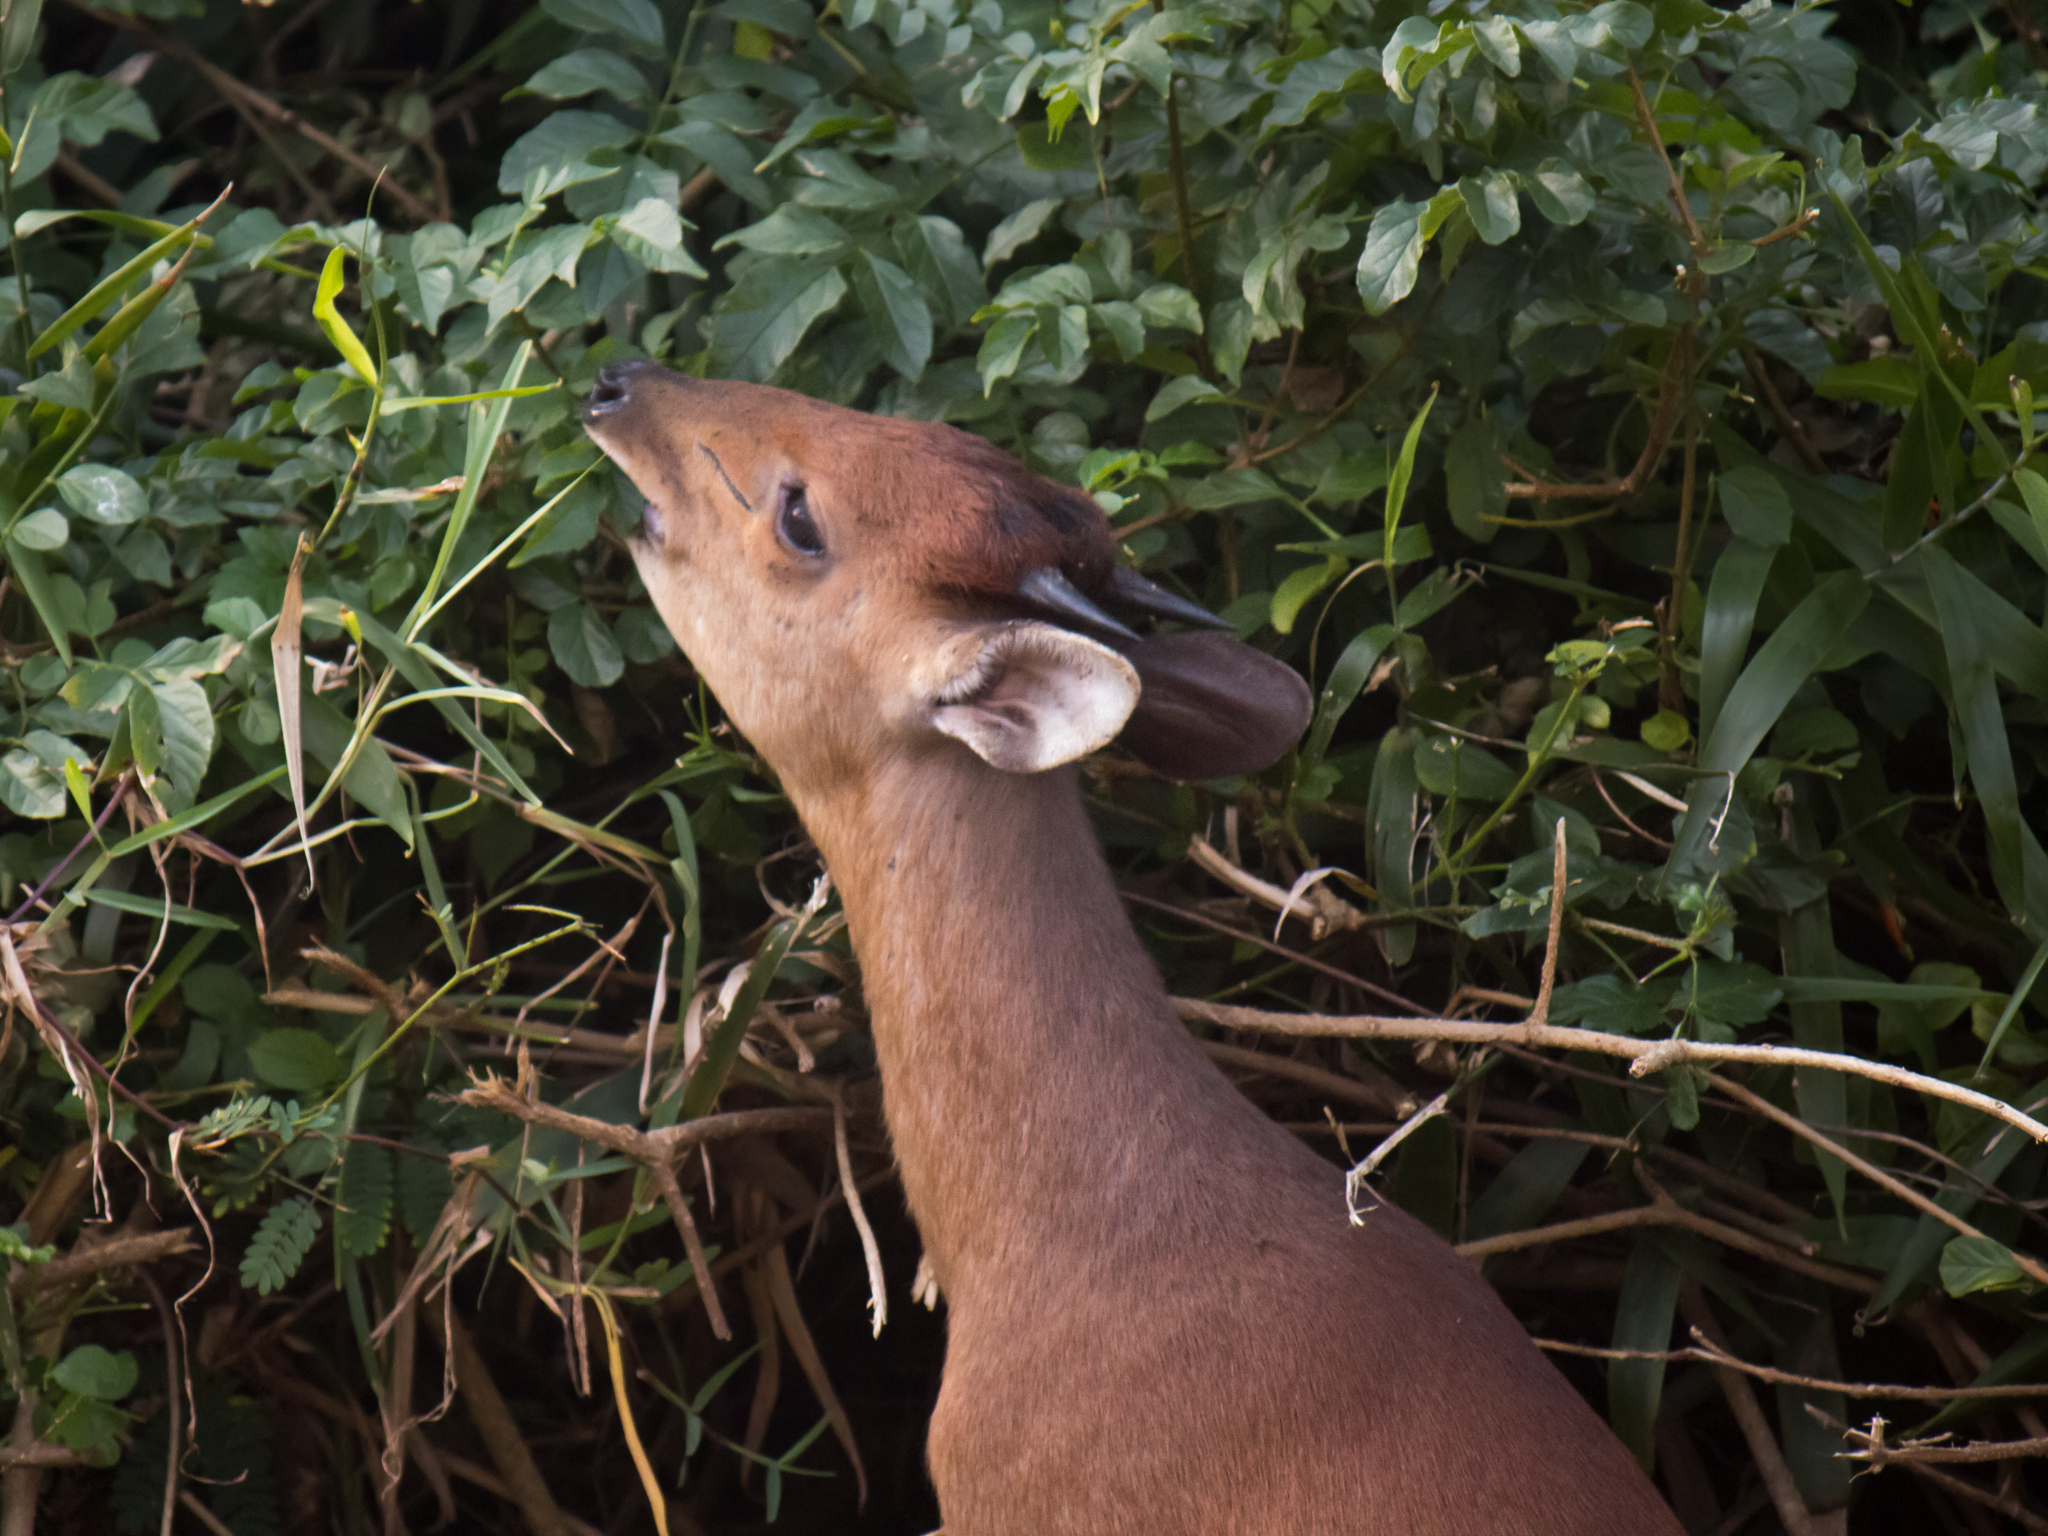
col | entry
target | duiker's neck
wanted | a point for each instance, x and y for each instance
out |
(1036, 1081)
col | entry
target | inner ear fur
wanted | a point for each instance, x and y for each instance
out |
(1211, 707)
(1027, 697)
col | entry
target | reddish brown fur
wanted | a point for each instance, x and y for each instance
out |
(1160, 1320)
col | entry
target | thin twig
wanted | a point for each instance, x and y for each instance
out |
(1644, 1055)
(1788, 424)
(248, 99)
(878, 1291)
(2032, 1268)
(1749, 1415)
(1707, 1353)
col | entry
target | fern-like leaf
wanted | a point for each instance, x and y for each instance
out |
(363, 1214)
(282, 1241)
(424, 1190)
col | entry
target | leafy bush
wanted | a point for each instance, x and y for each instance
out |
(1624, 413)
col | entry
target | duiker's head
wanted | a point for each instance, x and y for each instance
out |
(854, 587)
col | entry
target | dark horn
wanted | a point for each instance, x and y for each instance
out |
(1046, 588)
(1149, 597)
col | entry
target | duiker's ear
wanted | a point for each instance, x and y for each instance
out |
(1031, 696)
(1212, 706)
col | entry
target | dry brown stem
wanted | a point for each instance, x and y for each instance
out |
(1708, 1354)
(1666, 1212)
(658, 1151)
(1749, 1415)
(1876, 1451)
(1672, 388)
(2031, 1267)
(1788, 424)
(497, 1428)
(114, 1252)
(254, 104)
(1644, 1055)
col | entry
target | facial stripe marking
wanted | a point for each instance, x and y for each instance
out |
(736, 496)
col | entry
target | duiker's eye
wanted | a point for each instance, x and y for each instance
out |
(794, 522)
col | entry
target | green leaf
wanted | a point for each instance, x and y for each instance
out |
(363, 1204)
(281, 1242)
(45, 529)
(765, 314)
(587, 70)
(637, 21)
(296, 1060)
(1887, 380)
(1971, 1264)
(185, 721)
(336, 329)
(1666, 731)
(583, 646)
(791, 230)
(1642, 1323)
(1560, 193)
(1188, 389)
(2018, 868)
(896, 313)
(1781, 668)
(1756, 505)
(1490, 199)
(1732, 596)
(1018, 229)
(31, 787)
(108, 496)
(1298, 587)
(1340, 691)
(92, 1371)
(157, 909)
(1392, 257)
(1448, 766)
(1233, 488)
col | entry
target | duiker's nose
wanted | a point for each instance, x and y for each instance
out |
(614, 388)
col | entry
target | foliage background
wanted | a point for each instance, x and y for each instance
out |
(1325, 300)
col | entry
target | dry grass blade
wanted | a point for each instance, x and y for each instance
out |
(878, 1291)
(286, 653)
(782, 1292)
(641, 1464)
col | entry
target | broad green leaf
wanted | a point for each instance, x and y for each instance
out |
(108, 496)
(638, 22)
(44, 529)
(296, 1060)
(1971, 1264)
(1018, 229)
(587, 70)
(766, 313)
(896, 313)
(1490, 200)
(1188, 389)
(583, 646)
(31, 787)
(1756, 505)
(791, 230)
(1560, 193)
(1392, 256)
(92, 1371)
